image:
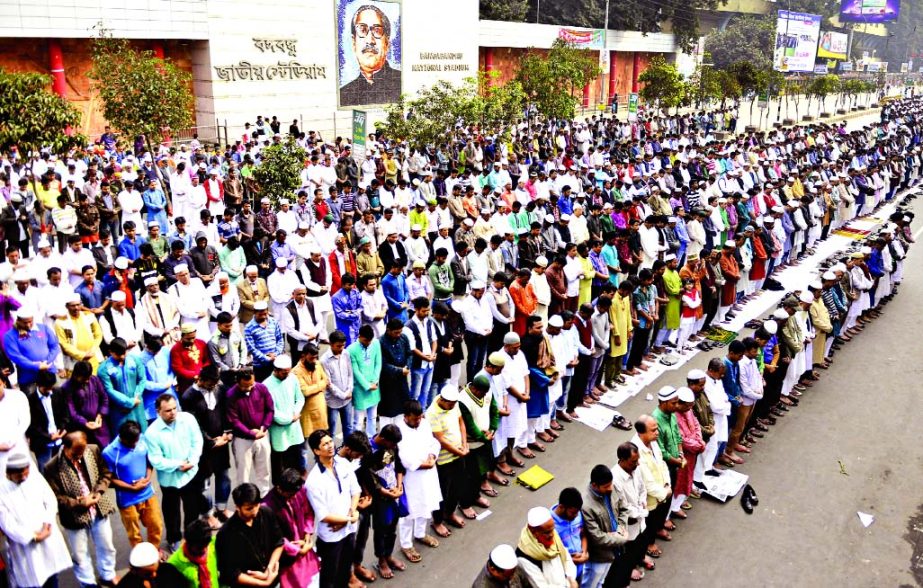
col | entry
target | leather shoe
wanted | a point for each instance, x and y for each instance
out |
(745, 502)
(753, 497)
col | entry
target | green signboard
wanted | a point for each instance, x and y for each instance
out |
(359, 120)
(632, 103)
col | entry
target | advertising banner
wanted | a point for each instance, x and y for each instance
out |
(833, 45)
(873, 11)
(589, 39)
(797, 35)
(359, 123)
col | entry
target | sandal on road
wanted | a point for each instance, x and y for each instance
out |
(412, 555)
(431, 542)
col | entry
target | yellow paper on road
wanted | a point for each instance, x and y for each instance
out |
(535, 477)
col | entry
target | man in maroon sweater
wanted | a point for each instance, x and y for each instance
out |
(250, 412)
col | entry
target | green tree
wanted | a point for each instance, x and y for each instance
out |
(427, 117)
(279, 172)
(549, 79)
(33, 118)
(821, 87)
(704, 85)
(746, 39)
(663, 84)
(730, 88)
(490, 104)
(508, 10)
(141, 93)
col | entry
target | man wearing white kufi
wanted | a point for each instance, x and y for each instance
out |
(191, 301)
(157, 313)
(281, 284)
(540, 287)
(318, 279)
(119, 321)
(419, 449)
(515, 375)
(35, 549)
(542, 554)
(222, 297)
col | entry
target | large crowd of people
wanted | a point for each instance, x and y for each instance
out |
(378, 354)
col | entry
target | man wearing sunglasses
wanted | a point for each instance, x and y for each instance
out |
(377, 82)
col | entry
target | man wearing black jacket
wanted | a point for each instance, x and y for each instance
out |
(48, 419)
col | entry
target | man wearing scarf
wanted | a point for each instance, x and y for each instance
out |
(196, 559)
(159, 315)
(541, 553)
(289, 503)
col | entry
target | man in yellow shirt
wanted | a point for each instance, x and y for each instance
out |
(79, 335)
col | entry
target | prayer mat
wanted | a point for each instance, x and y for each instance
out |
(534, 478)
(720, 335)
(851, 233)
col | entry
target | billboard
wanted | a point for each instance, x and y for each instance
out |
(797, 35)
(588, 39)
(873, 11)
(833, 45)
(369, 56)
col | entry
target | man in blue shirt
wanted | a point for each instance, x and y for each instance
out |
(32, 348)
(347, 308)
(568, 522)
(132, 475)
(91, 291)
(394, 287)
(264, 340)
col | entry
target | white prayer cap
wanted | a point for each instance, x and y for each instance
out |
(143, 555)
(865, 250)
(283, 201)
(281, 262)
(780, 314)
(816, 285)
(121, 263)
(806, 297)
(180, 267)
(42, 243)
(778, 209)
(669, 257)
(222, 276)
(151, 281)
(549, 218)
(416, 227)
(72, 299)
(260, 305)
(304, 225)
(24, 312)
(684, 394)
(313, 250)
(666, 393)
(695, 374)
(251, 268)
(468, 222)
(153, 223)
(672, 219)
(556, 321)
(187, 328)
(771, 327)
(730, 243)
(829, 275)
(21, 275)
(906, 219)
(839, 267)
(503, 557)
(478, 285)
(282, 362)
(117, 296)
(511, 338)
(769, 220)
(538, 516)
(541, 261)
(265, 201)
(449, 393)
(565, 218)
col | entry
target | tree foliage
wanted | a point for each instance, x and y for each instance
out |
(704, 85)
(508, 10)
(481, 102)
(32, 117)
(663, 84)
(141, 93)
(279, 172)
(549, 79)
(747, 39)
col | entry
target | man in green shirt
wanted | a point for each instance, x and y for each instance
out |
(198, 548)
(285, 434)
(670, 440)
(440, 273)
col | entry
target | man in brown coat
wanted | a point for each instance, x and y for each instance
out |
(250, 289)
(80, 480)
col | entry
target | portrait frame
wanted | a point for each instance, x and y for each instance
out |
(351, 93)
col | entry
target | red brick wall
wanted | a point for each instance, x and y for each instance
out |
(506, 61)
(31, 55)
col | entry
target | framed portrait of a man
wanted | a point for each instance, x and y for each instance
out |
(368, 51)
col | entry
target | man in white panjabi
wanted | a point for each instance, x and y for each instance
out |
(157, 313)
(192, 301)
(419, 450)
(35, 549)
(281, 284)
(540, 287)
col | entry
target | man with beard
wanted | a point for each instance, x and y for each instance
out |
(541, 553)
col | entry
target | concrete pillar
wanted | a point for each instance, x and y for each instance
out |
(612, 72)
(56, 59)
(635, 71)
(586, 95)
(158, 50)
